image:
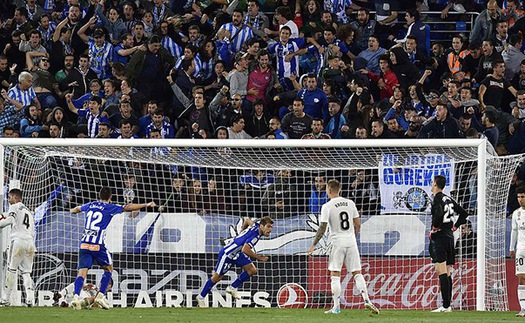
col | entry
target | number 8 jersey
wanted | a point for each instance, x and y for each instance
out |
(98, 217)
(340, 213)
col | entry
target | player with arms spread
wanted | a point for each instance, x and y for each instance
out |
(22, 250)
(518, 251)
(341, 216)
(238, 252)
(447, 216)
(92, 244)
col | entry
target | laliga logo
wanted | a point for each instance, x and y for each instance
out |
(292, 295)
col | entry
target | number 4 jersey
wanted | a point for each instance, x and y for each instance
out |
(23, 226)
(339, 213)
(98, 217)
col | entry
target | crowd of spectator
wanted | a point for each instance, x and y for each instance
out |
(261, 69)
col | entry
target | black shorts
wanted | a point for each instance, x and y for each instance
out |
(441, 249)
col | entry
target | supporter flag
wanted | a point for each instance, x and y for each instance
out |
(43, 210)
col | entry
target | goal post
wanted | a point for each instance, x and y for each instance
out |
(206, 187)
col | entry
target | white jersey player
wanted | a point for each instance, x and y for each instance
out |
(64, 298)
(517, 247)
(22, 246)
(342, 218)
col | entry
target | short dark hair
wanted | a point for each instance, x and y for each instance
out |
(441, 181)
(412, 37)
(186, 64)
(266, 220)
(413, 13)
(16, 191)
(497, 61)
(520, 189)
(104, 193)
(491, 115)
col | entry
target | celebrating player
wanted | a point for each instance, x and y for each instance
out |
(92, 244)
(447, 216)
(238, 252)
(22, 250)
(518, 252)
(341, 216)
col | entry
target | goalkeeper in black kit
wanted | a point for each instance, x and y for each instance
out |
(447, 216)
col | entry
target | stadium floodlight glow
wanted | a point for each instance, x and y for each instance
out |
(207, 186)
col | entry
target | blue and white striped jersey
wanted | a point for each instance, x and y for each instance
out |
(23, 96)
(101, 57)
(249, 236)
(92, 121)
(284, 69)
(172, 47)
(196, 60)
(240, 35)
(98, 217)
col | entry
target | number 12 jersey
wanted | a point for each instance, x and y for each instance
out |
(98, 217)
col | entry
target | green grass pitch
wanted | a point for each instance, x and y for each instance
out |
(241, 315)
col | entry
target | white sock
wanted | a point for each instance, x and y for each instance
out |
(521, 296)
(28, 286)
(336, 291)
(361, 286)
(10, 279)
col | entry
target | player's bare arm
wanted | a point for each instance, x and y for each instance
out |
(246, 249)
(134, 207)
(75, 210)
(357, 226)
(318, 236)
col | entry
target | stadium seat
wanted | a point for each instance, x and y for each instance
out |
(461, 26)
(427, 39)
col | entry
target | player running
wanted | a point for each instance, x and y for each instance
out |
(22, 246)
(92, 244)
(341, 216)
(238, 252)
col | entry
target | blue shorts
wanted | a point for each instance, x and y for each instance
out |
(224, 263)
(87, 257)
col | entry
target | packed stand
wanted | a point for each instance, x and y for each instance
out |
(261, 69)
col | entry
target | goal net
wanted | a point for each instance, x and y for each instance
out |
(206, 187)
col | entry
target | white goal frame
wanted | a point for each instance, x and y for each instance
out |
(480, 144)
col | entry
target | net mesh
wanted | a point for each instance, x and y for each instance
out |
(163, 259)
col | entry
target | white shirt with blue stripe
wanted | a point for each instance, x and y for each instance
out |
(196, 60)
(25, 97)
(280, 50)
(238, 35)
(249, 236)
(172, 47)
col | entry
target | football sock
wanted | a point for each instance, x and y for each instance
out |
(104, 282)
(521, 296)
(361, 286)
(451, 285)
(445, 289)
(28, 286)
(10, 280)
(241, 279)
(206, 289)
(79, 283)
(336, 291)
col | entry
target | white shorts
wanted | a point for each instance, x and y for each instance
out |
(344, 255)
(21, 255)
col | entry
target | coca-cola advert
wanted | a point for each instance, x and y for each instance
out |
(394, 283)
